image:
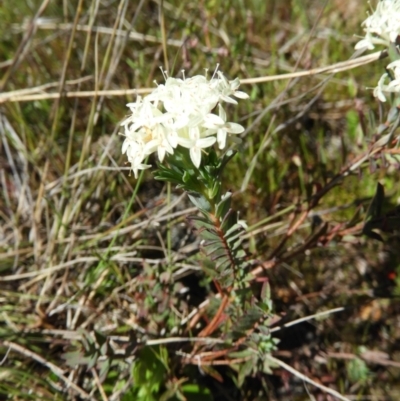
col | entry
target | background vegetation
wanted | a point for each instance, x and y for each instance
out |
(94, 264)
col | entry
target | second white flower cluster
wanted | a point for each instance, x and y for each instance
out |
(383, 28)
(181, 112)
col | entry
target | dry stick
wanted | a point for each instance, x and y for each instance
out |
(223, 362)
(210, 358)
(331, 69)
(211, 327)
(215, 320)
(16, 96)
(76, 335)
(307, 318)
(364, 356)
(23, 45)
(99, 386)
(163, 34)
(306, 379)
(42, 88)
(10, 97)
(55, 369)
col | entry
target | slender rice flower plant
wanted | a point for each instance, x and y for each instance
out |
(383, 28)
(185, 122)
(181, 121)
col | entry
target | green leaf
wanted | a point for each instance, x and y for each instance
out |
(223, 207)
(374, 212)
(213, 247)
(186, 177)
(217, 252)
(216, 189)
(92, 361)
(104, 368)
(194, 392)
(201, 222)
(75, 358)
(223, 265)
(199, 201)
(245, 370)
(233, 231)
(226, 158)
(240, 254)
(209, 268)
(229, 220)
(209, 235)
(100, 338)
(237, 244)
(226, 278)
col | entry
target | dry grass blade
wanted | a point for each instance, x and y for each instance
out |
(306, 379)
(331, 69)
(55, 369)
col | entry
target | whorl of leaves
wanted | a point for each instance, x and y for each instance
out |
(218, 226)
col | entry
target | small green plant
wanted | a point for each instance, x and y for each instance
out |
(177, 121)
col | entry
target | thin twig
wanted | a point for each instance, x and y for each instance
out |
(306, 318)
(306, 379)
(332, 69)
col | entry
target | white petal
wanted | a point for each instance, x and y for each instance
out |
(228, 99)
(161, 153)
(206, 142)
(185, 142)
(222, 113)
(221, 138)
(212, 121)
(151, 146)
(195, 156)
(139, 167)
(364, 43)
(234, 128)
(241, 95)
(125, 146)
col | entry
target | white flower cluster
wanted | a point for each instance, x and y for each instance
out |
(180, 112)
(392, 86)
(383, 26)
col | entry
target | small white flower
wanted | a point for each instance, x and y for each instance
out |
(395, 67)
(226, 129)
(378, 91)
(228, 88)
(383, 26)
(135, 153)
(393, 86)
(195, 143)
(366, 42)
(218, 125)
(159, 143)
